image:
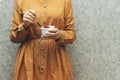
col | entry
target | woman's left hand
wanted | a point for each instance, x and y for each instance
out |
(53, 33)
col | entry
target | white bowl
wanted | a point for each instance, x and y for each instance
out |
(45, 30)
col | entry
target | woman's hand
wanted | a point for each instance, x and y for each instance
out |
(29, 18)
(53, 33)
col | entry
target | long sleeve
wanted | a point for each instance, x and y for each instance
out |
(17, 31)
(68, 34)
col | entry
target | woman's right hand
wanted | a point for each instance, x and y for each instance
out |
(29, 17)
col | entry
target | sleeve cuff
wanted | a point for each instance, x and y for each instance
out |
(19, 28)
(61, 39)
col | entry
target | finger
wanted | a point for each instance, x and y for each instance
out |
(53, 30)
(51, 34)
(28, 17)
(31, 15)
(32, 12)
(27, 20)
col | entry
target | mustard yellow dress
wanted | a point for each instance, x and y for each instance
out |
(43, 58)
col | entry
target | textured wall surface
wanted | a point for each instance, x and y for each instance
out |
(95, 55)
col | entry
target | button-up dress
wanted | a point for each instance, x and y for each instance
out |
(42, 58)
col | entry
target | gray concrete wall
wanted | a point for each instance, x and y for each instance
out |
(95, 55)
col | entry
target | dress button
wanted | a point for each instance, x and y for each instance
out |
(45, 13)
(42, 69)
(43, 56)
(38, 55)
(44, 23)
(44, 6)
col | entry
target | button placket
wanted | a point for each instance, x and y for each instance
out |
(42, 61)
(45, 13)
(42, 56)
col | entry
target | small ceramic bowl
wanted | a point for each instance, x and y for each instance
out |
(45, 30)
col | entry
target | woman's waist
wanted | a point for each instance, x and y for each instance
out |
(38, 40)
